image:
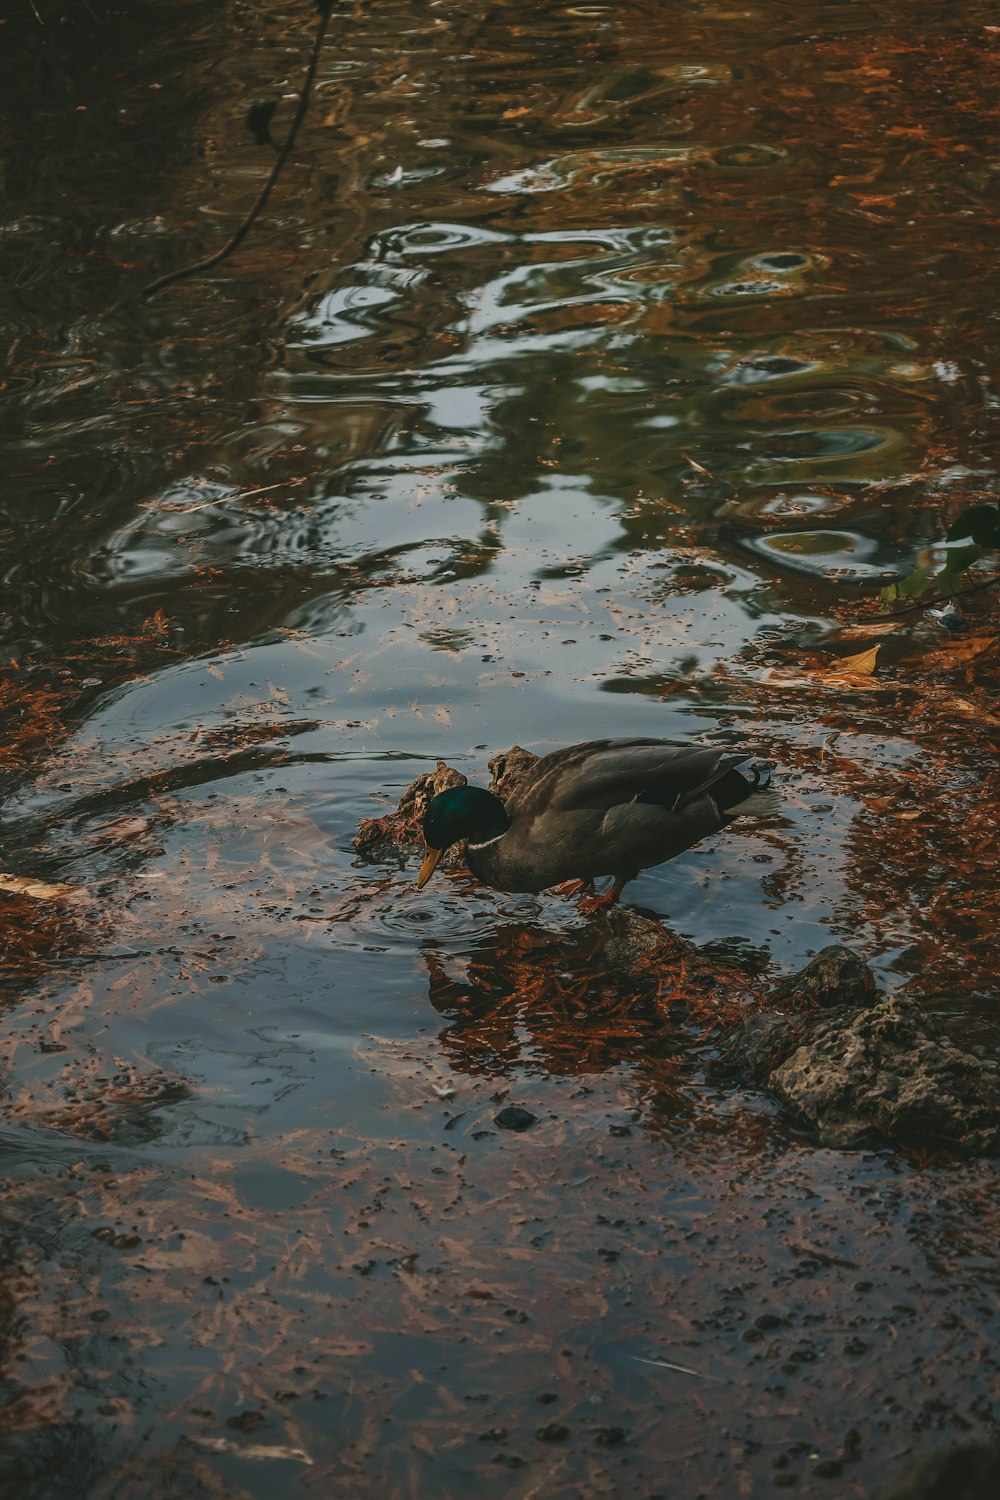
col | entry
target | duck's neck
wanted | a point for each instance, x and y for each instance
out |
(482, 856)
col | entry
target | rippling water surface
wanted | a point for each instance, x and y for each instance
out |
(590, 368)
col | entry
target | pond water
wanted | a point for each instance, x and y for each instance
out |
(588, 372)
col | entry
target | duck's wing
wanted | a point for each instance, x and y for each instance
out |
(607, 773)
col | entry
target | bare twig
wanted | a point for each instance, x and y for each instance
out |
(189, 510)
(325, 7)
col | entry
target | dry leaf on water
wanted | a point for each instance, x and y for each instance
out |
(861, 665)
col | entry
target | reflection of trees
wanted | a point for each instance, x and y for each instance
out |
(627, 316)
(89, 128)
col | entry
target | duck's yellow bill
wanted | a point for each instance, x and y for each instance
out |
(431, 857)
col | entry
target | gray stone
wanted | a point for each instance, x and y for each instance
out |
(835, 980)
(887, 1068)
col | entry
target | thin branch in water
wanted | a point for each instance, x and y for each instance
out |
(699, 468)
(189, 510)
(325, 7)
(665, 1364)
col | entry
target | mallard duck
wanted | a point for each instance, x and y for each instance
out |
(606, 807)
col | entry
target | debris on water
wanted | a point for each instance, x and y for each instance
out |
(666, 1364)
(251, 1451)
(39, 890)
(947, 616)
(552, 1432)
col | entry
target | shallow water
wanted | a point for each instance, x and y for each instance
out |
(591, 367)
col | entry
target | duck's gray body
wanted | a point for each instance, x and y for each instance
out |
(615, 807)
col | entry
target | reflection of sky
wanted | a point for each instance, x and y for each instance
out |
(597, 332)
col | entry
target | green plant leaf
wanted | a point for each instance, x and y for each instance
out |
(915, 584)
(910, 587)
(958, 559)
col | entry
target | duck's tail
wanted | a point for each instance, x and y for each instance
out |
(746, 790)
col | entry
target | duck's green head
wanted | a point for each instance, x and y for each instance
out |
(462, 812)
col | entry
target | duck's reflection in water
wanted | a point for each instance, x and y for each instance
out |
(621, 993)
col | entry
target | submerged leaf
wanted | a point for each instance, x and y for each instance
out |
(253, 1451)
(862, 629)
(41, 890)
(955, 652)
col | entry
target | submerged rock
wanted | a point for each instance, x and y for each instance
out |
(515, 1118)
(756, 1046)
(509, 770)
(970, 1471)
(401, 831)
(378, 838)
(836, 976)
(888, 1068)
(630, 938)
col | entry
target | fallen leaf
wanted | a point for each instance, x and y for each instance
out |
(861, 665)
(965, 649)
